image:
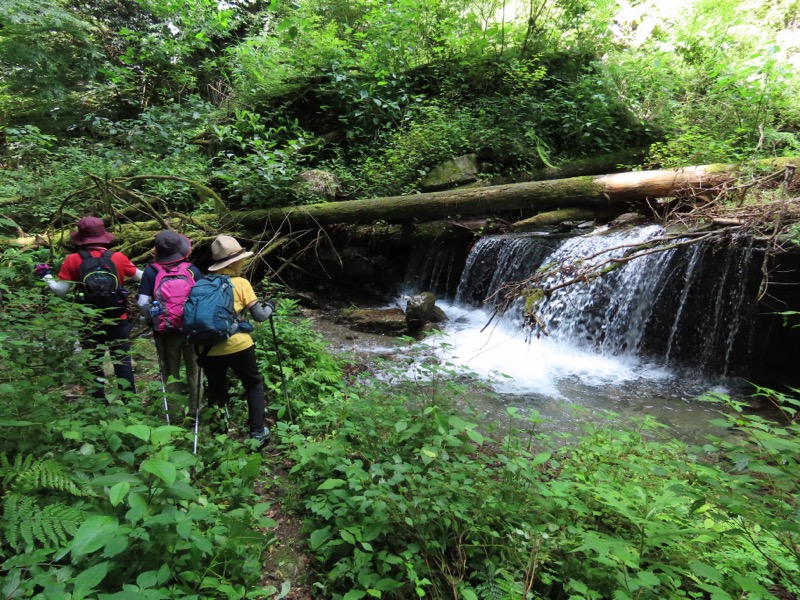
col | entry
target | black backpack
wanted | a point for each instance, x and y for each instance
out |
(99, 281)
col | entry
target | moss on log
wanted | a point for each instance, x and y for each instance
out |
(613, 192)
(596, 192)
(555, 217)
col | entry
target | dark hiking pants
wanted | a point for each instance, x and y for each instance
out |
(245, 367)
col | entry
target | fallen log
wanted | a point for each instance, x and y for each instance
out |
(592, 165)
(597, 192)
(556, 217)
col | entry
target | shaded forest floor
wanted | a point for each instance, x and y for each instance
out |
(286, 561)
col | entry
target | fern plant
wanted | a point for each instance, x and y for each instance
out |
(27, 523)
(31, 518)
(26, 474)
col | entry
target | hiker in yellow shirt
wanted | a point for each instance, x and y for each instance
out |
(238, 351)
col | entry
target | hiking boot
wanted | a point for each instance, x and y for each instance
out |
(262, 437)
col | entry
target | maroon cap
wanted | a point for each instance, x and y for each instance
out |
(91, 231)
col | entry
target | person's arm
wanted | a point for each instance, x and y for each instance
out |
(261, 312)
(146, 291)
(143, 301)
(61, 288)
(125, 267)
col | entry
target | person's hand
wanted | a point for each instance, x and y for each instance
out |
(41, 269)
(269, 303)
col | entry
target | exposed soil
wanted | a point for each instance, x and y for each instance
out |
(286, 563)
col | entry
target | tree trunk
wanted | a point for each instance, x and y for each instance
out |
(594, 192)
(593, 165)
(554, 217)
(601, 194)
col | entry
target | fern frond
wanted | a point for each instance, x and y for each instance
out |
(28, 474)
(24, 521)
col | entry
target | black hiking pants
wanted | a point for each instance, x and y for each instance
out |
(244, 365)
(115, 337)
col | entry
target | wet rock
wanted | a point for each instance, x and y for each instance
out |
(317, 185)
(422, 310)
(389, 321)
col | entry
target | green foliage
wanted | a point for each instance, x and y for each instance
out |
(404, 497)
(258, 164)
(46, 49)
(26, 524)
(265, 67)
(715, 82)
(26, 474)
(299, 372)
(105, 500)
(26, 145)
(437, 134)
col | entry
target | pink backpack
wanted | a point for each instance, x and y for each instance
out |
(172, 286)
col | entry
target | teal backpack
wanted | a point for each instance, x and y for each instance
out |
(208, 315)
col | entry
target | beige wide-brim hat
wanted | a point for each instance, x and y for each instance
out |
(225, 251)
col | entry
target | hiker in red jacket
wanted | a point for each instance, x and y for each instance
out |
(99, 275)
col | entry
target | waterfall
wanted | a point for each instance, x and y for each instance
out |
(692, 304)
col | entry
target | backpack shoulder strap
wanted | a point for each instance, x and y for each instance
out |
(84, 254)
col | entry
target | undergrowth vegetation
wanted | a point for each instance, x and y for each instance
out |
(402, 495)
(407, 497)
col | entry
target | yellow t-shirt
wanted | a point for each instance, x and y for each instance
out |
(243, 295)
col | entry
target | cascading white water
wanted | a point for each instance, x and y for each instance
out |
(648, 335)
(685, 305)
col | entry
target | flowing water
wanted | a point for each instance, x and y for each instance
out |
(647, 338)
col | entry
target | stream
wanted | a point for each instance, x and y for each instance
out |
(568, 386)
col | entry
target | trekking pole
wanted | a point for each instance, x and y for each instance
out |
(161, 378)
(197, 407)
(280, 366)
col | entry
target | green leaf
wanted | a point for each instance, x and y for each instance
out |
(387, 585)
(468, 594)
(9, 423)
(751, 585)
(354, 595)
(140, 431)
(93, 534)
(147, 580)
(116, 546)
(705, 571)
(329, 484)
(347, 536)
(162, 435)
(117, 493)
(475, 436)
(138, 507)
(86, 581)
(319, 537)
(540, 458)
(162, 469)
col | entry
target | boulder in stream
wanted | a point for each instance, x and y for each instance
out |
(421, 310)
(387, 321)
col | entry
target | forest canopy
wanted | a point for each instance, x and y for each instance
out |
(278, 103)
